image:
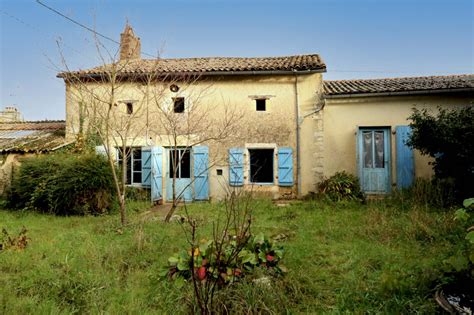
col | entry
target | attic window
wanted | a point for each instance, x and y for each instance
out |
(261, 104)
(129, 108)
(178, 104)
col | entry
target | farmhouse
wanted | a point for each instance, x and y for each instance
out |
(268, 124)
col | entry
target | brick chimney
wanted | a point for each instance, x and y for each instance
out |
(130, 46)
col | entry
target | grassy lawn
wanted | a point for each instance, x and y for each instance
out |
(342, 258)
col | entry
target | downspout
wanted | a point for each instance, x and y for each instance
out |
(297, 120)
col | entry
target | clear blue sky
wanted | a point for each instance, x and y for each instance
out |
(357, 39)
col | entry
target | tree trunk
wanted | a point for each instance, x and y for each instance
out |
(123, 218)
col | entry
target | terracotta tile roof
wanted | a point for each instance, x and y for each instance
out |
(399, 85)
(33, 136)
(210, 65)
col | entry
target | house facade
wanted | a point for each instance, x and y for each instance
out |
(269, 125)
(271, 104)
(366, 126)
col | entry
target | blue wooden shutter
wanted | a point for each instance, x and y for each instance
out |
(285, 166)
(100, 150)
(201, 172)
(156, 173)
(236, 166)
(405, 163)
(146, 167)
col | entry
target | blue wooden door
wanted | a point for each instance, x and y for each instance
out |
(156, 173)
(179, 165)
(405, 160)
(374, 159)
(201, 172)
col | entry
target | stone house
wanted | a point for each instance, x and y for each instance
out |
(293, 128)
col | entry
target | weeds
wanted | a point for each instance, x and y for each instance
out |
(374, 258)
(14, 242)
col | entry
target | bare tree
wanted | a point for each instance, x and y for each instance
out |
(102, 113)
(189, 118)
(123, 108)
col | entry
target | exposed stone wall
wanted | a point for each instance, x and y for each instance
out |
(318, 152)
(6, 169)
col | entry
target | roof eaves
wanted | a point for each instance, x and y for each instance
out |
(398, 93)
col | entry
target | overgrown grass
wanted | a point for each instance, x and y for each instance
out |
(342, 257)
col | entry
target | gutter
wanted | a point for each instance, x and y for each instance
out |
(297, 120)
(401, 93)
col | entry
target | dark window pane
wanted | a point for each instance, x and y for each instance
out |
(137, 154)
(185, 164)
(178, 104)
(379, 149)
(137, 177)
(137, 166)
(129, 108)
(261, 165)
(367, 153)
(261, 104)
(172, 165)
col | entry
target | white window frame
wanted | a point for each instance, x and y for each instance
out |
(132, 160)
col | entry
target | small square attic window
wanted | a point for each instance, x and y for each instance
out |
(129, 108)
(261, 104)
(178, 104)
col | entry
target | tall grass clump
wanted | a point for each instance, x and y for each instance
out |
(63, 184)
(427, 193)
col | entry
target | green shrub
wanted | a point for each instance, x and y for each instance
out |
(63, 184)
(447, 137)
(341, 185)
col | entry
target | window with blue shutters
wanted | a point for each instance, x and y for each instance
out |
(285, 166)
(236, 166)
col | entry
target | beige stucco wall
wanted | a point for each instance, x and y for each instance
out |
(343, 117)
(276, 127)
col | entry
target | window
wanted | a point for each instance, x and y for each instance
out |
(178, 104)
(219, 172)
(261, 104)
(134, 164)
(373, 149)
(261, 165)
(129, 108)
(182, 166)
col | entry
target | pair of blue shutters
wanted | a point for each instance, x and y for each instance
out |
(285, 166)
(152, 171)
